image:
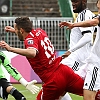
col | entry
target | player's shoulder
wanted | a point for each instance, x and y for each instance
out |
(87, 12)
(38, 32)
(85, 15)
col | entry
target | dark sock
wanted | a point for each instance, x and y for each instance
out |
(16, 94)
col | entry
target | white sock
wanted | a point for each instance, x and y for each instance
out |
(66, 97)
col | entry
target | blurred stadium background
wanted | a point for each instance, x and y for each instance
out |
(46, 14)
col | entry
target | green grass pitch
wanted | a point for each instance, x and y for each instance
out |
(30, 96)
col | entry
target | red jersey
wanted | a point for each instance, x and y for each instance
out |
(44, 63)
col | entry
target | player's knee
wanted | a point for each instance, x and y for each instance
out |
(8, 89)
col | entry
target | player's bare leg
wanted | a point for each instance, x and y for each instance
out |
(89, 95)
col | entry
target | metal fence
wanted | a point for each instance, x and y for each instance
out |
(58, 36)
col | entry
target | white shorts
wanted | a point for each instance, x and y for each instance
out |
(82, 71)
(72, 61)
(92, 79)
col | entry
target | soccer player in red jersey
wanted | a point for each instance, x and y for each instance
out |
(57, 78)
(39, 51)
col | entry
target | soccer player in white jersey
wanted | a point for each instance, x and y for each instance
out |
(92, 79)
(80, 38)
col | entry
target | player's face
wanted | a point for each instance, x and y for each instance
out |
(77, 6)
(98, 6)
(19, 33)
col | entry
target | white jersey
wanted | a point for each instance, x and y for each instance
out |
(95, 51)
(78, 32)
(76, 59)
(92, 66)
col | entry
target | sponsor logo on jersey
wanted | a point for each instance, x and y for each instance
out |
(30, 42)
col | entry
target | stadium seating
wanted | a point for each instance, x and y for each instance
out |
(91, 4)
(35, 8)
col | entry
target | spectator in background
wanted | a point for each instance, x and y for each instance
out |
(6, 87)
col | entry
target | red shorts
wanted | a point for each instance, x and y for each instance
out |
(62, 80)
(97, 96)
(41, 92)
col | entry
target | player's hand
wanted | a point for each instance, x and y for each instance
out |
(9, 29)
(3, 44)
(66, 54)
(32, 88)
(68, 24)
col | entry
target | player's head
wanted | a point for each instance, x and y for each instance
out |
(79, 5)
(22, 26)
(98, 6)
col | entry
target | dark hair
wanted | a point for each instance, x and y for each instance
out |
(97, 1)
(24, 23)
(80, 0)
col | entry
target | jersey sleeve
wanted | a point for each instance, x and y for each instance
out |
(87, 30)
(83, 41)
(11, 70)
(31, 43)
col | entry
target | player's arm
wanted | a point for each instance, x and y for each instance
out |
(16, 75)
(87, 23)
(9, 29)
(29, 52)
(69, 25)
(66, 54)
(83, 41)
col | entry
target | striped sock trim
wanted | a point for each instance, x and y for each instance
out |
(94, 76)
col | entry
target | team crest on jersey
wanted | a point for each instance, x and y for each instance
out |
(30, 42)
